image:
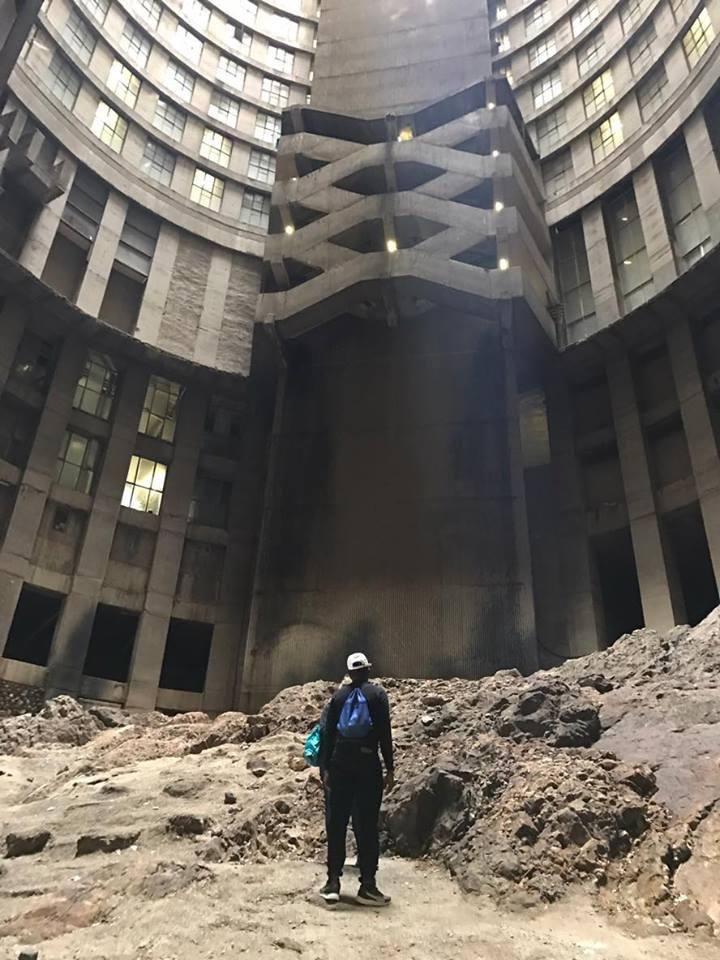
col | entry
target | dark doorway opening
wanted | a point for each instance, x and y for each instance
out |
(685, 532)
(111, 644)
(619, 588)
(33, 626)
(187, 653)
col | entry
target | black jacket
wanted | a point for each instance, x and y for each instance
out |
(380, 735)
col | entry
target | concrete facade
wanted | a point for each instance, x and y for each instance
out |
(452, 393)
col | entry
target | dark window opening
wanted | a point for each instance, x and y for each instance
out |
(16, 218)
(685, 534)
(65, 267)
(18, 423)
(112, 640)
(122, 300)
(33, 626)
(619, 587)
(187, 652)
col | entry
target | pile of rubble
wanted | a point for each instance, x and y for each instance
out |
(601, 774)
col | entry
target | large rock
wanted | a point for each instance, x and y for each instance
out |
(27, 843)
(105, 842)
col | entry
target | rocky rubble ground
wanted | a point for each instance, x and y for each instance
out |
(601, 775)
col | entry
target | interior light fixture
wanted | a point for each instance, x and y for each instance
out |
(503, 263)
(391, 246)
(405, 134)
(499, 205)
(496, 153)
(491, 105)
(289, 229)
(627, 261)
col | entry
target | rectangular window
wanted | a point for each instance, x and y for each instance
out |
(262, 166)
(598, 93)
(85, 205)
(573, 273)
(207, 190)
(197, 13)
(158, 163)
(627, 248)
(255, 209)
(123, 83)
(631, 13)
(224, 109)
(640, 50)
(98, 9)
(274, 92)
(606, 138)
(95, 390)
(169, 119)
(188, 43)
(651, 92)
(550, 130)
(557, 173)
(591, 52)
(79, 37)
(686, 218)
(144, 485)
(159, 416)
(109, 126)
(210, 503)
(135, 44)
(231, 72)
(63, 81)
(239, 37)
(180, 81)
(501, 42)
(283, 28)
(698, 38)
(77, 462)
(537, 18)
(150, 11)
(267, 128)
(216, 147)
(498, 11)
(138, 240)
(546, 89)
(585, 14)
(542, 50)
(281, 59)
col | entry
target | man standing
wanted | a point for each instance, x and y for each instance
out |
(358, 721)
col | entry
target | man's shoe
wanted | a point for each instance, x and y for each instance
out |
(370, 896)
(331, 891)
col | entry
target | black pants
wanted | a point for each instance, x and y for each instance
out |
(355, 789)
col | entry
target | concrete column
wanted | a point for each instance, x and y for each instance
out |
(527, 653)
(102, 255)
(42, 233)
(158, 284)
(705, 167)
(74, 627)
(36, 480)
(211, 318)
(698, 432)
(652, 569)
(12, 326)
(162, 582)
(584, 621)
(602, 279)
(655, 230)
(15, 38)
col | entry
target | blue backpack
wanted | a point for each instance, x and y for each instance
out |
(355, 721)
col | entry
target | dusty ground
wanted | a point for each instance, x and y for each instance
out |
(572, 814)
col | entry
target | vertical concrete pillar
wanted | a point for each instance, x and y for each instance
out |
(698, 432)
(158, 285)
(655, 231)
(42, 233)
(162, 582)
(72, 634)
(211, 318)
(652, 569)
(602, 278)
(102, 255)
(705, 167)
(36, 480)
(525, 621)
(584, 622)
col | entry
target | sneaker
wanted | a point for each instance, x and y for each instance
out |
(331, 891)
(370, 896)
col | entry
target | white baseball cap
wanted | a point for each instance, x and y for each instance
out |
(357, 661)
